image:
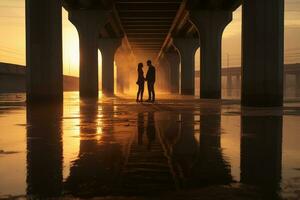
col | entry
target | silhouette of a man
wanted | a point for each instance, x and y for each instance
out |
(150, 78)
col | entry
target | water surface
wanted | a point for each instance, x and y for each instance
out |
(115, 147)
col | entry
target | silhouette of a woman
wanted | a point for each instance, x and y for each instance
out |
(140, 82)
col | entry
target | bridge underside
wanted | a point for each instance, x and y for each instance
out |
(147, 23)
(167, 31)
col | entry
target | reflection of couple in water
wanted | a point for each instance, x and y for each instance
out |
(150, 129)
(150, 78)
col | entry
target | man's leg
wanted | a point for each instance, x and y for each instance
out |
(149, 91)
(142, 92)
(153, 93)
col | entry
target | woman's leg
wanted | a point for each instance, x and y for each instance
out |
(149, 91)
(138, 93)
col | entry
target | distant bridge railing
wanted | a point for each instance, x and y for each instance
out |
(292, 69)
(231, 79)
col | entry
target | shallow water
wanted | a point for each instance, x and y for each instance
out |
(115, 147)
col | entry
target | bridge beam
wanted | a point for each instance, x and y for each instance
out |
(210, 25)
(44, 51)
(108, 48)
(88, 24)
(262, 53)
(187, 48)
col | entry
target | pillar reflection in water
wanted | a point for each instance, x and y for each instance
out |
(140, 127)
(169, 125)
(95, 171)
(151, 132)
(211, 167)
(261, 153)
(44, 150)
(196, 164)
(185, 149)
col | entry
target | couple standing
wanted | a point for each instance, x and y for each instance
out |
(150, 78)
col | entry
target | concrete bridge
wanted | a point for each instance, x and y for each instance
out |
(291, 71)
(168, 31)
(13, 79)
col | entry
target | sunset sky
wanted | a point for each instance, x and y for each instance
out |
(12, 36)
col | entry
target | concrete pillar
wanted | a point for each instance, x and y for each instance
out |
(187, 48)
(44, 50)
(121, 63)
(297, 85)
(163, 72)
(88, 24)
(131, 70)
(124, 65)
(262, 53)
(127, 78)
(119, 74)
(261, 153)
(211, 25)
(108, 48)
(174, 61)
